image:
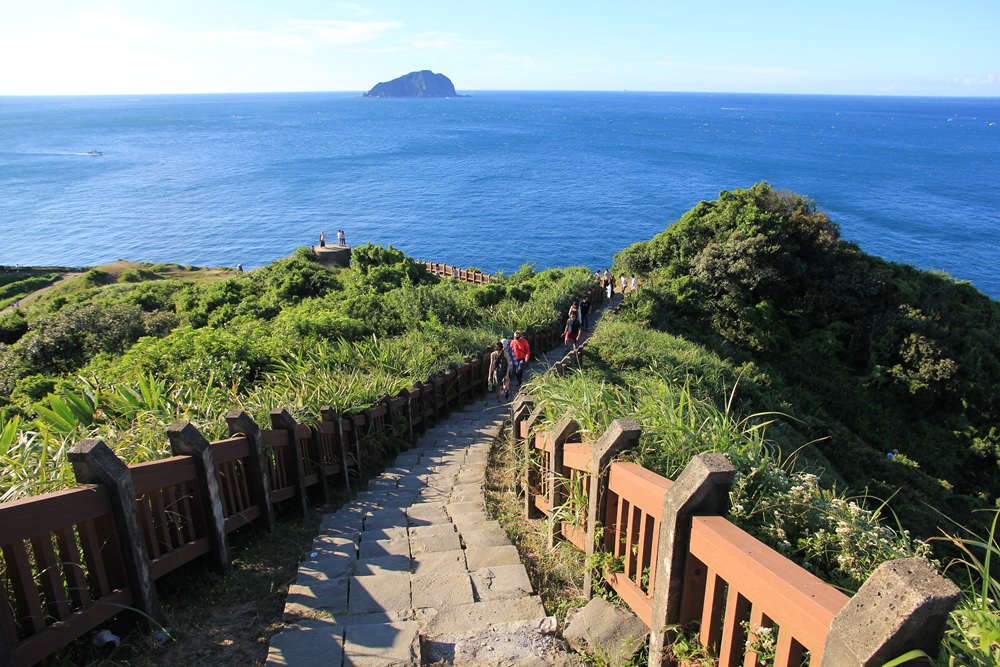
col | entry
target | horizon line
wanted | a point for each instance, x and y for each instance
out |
(467, 92)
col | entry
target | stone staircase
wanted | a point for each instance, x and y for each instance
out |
(413, 571)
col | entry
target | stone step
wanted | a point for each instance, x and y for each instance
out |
(381, 645)
(311, 642)
(467, 618)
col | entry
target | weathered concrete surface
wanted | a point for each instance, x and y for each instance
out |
(603, 630)
(501, 581)
(381, 645)
(481, 615)
(524, 643)
(904, 604)
(307, 643)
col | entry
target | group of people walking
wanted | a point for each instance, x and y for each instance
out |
(509, 357)
(507, 362)
(608, 282)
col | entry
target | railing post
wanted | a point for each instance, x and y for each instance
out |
(316, 458)
(530, 510)
(281, 420)
(701, 489)
(95, 463)
(903, 606)
(408, 414)
(328, 415)
(185, 440)
(240, 422)
(564, 430)
(621, 435)
(520, 410)
(432, 395)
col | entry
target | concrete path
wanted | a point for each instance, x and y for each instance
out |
(413, 570)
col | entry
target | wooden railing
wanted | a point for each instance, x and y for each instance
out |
(632, 526)
(449, 271)
(733, 581)
(678, 563)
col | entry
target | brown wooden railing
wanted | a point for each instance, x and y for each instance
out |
(679, 563)
(634, 509)
(449, 271)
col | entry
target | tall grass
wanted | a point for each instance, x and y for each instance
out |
(668, 390)
(973, 635)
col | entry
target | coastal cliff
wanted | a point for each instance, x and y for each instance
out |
(424, 83)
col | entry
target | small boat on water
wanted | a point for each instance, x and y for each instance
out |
(94, 151)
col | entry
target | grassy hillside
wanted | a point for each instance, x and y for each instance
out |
(124, 350)
(867, 358)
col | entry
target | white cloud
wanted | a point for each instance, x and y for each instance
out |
(306, 34)
(988, 80)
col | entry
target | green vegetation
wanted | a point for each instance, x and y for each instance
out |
(867, 357)
(759, 333)
(123, 350)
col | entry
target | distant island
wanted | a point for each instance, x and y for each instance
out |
(424, 83)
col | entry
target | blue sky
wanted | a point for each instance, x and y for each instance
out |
(879, 47)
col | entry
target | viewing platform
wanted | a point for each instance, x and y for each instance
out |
(333, 255)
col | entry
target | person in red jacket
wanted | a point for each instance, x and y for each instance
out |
(522, 352)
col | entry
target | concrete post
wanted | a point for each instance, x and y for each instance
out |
(519, 411)
(281, 420)
(701, 489)
(531, 475)
(328, 415)
(621, 435)
(95, 463)
(560, 435)
(903, 606)
(431, 390)
(185, 440)
(240, 422)
(407, 415)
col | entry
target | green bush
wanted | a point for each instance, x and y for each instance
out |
(13, 325)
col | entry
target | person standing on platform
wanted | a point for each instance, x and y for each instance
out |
(322, 239)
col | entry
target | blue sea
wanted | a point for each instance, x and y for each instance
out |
(491, 180)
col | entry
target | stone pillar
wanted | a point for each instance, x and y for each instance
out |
(185, 440)
(95, 463)
(621, 435)
(432, 396)
(281, 420)
(260, 481)
(903, 606)
(701, 489)
(520, 409)
(408, 415)
(560, 435)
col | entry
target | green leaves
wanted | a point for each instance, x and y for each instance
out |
(66, 412)
(8, 434)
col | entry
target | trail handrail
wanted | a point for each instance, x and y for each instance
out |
(718, 578)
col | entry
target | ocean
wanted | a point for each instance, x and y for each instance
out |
(491, 180)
